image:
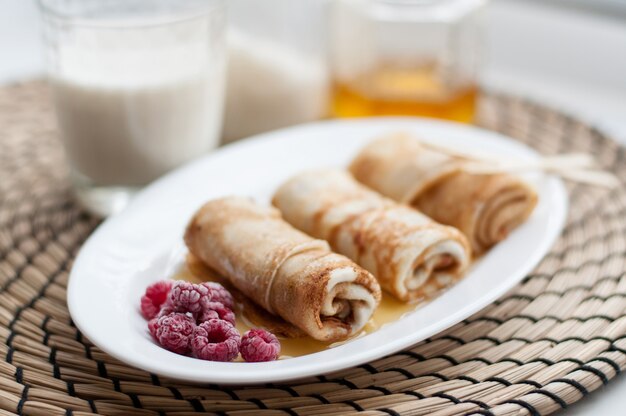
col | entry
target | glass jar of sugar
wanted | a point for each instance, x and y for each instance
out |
(277, 74)
(138, 89)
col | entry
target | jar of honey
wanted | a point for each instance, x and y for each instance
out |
(405, 57)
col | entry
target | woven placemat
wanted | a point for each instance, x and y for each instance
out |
(556, 337)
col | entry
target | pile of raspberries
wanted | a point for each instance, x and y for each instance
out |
(198, 320)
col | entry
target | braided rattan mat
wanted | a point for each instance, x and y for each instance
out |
(556, 337)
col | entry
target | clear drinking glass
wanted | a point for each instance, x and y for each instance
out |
(138, 87)
(277, 72)
(406, 57)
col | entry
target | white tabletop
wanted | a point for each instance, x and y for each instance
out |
(571, 60)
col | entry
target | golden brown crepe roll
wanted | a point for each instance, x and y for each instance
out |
(282, 269)
(411, 255)
(486, 208)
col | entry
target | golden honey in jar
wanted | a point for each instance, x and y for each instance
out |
(414, 91)
(405, 57)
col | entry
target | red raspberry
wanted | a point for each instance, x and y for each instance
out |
(220, 294)
(215, 340)
(155, 296)
(174, 332)
(189, 297)
(216, 310)
(259, 345)
(200, 301)
(153, 325)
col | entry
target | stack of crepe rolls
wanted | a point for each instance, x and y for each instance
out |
(486, 208)
(412, 256)
(282, 269)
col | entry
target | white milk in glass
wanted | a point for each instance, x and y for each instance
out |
(136, 99)
(270, 86)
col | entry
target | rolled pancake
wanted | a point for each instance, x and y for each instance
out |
(282, 269)
(251, 313)
(486, 208)
(411, 255)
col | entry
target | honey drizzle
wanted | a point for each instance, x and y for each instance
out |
(389, 310)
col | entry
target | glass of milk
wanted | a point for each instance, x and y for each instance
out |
(277, 72)
(138, 87)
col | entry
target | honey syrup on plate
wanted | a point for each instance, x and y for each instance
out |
(389, 310)
(417, 91)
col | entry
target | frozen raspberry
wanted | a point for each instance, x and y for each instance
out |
(153, 325)
(199, 300)
(215, 310)
(215, 340)
(174, 331)
(220, 294)
(155, 296)
(259, 345)
(189, 297)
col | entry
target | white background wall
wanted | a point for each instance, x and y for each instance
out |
(566, 57)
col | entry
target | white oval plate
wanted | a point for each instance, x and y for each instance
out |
(144, 244)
